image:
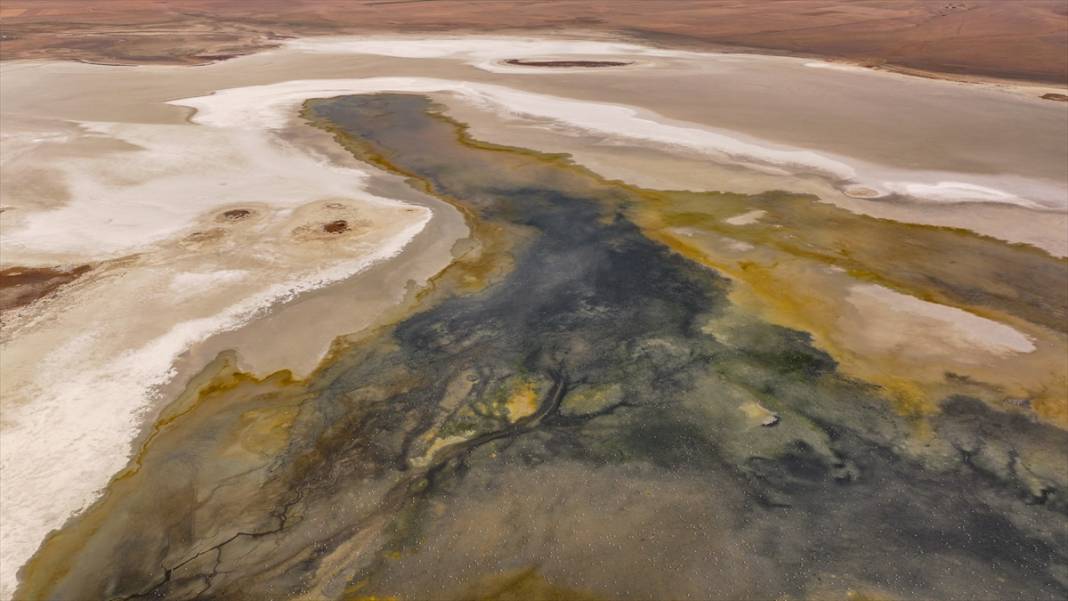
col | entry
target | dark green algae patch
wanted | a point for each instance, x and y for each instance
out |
(635, 475)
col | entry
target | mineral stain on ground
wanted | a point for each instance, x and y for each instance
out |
(572, 412)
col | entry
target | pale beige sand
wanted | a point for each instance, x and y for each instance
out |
(306, 326)
(674, 168)
(747, 218)
(843, 114)
(860, 115)
(924, 330)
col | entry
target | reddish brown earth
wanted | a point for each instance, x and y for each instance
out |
(336, 227)
(1019, 39)
(22, 285)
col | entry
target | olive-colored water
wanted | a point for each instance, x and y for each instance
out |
(573, 412)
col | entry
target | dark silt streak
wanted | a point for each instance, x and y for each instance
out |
(635, 475)
(21, 286)
(565, 63)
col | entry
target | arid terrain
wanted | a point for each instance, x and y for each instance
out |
(1014, 39)
(524, 301)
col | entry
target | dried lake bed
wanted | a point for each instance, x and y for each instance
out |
(862, 264)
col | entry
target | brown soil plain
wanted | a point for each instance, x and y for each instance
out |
(1004, 39)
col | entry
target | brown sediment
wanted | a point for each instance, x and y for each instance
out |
(332, 229)
(1055, 96)
(216, 57)
(522, 585)
(22, 285)
(201, 236)
(236, 214)
(260, 428)
(564, 63)
(336, 227)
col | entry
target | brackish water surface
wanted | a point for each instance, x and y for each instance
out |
(574, 411)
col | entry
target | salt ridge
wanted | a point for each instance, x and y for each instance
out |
(268, 106)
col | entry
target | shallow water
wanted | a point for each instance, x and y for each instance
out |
(575, 409)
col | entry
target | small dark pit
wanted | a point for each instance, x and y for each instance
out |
(336, 227)
(576, 64)
(236, 214)
(215, 57)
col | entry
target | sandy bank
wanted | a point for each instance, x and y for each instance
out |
(192, 232)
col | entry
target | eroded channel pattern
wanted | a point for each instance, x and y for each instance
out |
(574, 411)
